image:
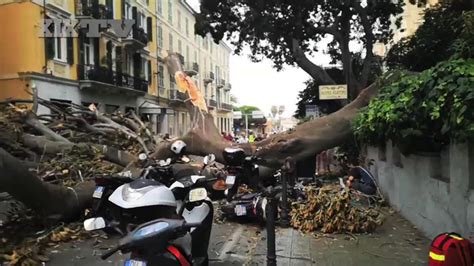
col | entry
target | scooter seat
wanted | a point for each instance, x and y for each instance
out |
(234, 156)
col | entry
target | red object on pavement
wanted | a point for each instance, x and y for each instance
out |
(178, 255)
(450, 249)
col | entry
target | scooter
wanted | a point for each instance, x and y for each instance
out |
(155, 243)
(159, 242)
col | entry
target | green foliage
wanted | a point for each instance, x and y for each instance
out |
(246, 109)
(447, 31)
(422, 111)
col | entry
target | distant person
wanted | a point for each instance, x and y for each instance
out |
(251, 138)
(361, 180)
(229, 137)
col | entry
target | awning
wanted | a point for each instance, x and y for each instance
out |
(150, 108)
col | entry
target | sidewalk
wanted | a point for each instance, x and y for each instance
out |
(394, 243)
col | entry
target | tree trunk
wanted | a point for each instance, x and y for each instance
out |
(57, 202)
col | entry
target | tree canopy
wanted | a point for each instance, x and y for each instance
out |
(287, 32)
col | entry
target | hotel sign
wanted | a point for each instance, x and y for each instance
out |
(332, 92)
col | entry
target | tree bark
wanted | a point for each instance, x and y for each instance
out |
(57, 202)
(316, 72)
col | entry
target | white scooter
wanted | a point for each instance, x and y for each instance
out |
(145, 200)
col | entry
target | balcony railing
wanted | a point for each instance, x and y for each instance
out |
(191, 68)
(175, 95)
(212, 103)
(92, 8)
(140, 35)
(221, 83)
(227, 87)
(107, 76)
(226, 106)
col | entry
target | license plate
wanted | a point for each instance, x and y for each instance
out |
(98, 192)
(230, 180)
(131, 262)
(240, 210)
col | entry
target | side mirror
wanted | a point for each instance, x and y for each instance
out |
(209, 159)
(142, 156)
(197, 194)
(94, 223)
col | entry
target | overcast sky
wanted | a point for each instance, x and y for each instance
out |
(260, 85)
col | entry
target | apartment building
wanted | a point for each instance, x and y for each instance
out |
(206, 61)
(412, 18)
(114, 72)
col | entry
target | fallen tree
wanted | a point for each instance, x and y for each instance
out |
(80, 127)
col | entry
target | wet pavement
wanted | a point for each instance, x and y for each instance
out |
(396, 242)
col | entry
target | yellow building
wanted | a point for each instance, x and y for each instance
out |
(112, 71)
(412, 18)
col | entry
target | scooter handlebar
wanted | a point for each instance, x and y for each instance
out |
(110, 252)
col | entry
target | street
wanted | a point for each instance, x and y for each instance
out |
(396, 242)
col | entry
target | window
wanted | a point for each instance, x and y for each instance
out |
(179, 20)
(60, 49)
(88, 52)
(161, 76)
(159, 7)
(128, 11)
(186, 25)
(187, 54)
(160, 37)
(142, 21)
(170, 48)
(180, 47)
(170, 11)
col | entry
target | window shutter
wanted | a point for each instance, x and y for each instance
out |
(118, 58)
(136, 65)
(110, 9)
(70, 50)
(134, 15)
(123, 9)
(149, 27)
(150, 78)
(49, 47)
(96, 43)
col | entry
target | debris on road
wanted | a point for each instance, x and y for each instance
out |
(334, 211)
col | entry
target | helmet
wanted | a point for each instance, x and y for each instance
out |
(178, 147)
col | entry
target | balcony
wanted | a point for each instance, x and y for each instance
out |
(176, 96)
(209, 78)
(227, 87)
(138, 40)
(91, 76)
(191, 69)
(220, 83)
(212, 103)
(226, 107)
(92, 9)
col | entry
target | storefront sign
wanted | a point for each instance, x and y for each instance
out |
(332, 92)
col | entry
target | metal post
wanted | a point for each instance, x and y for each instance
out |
(270, 210)
(284, 217)
(246, 125)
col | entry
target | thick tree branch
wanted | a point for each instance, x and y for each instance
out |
(369, 44)
(316, 72)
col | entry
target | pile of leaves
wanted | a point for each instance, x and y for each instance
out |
(331, 211)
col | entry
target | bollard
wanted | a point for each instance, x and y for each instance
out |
(270, 210)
